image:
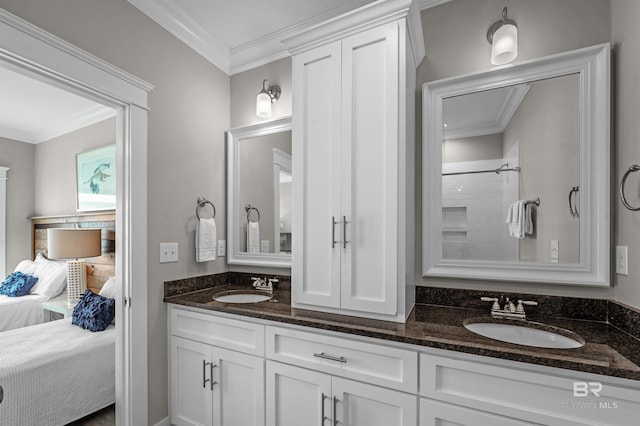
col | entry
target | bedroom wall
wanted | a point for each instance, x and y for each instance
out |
(189, 113)
(455, 42)
(20, 158)
(55, 166)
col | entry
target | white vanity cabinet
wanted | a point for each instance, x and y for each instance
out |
(353, 162)
(297, 396)
(213, 385)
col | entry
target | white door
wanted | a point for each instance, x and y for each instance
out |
(359, 404)
(238, 390)
(191, 401)
(297, 397)
(316, 177)
(434, 413)
(370, 169)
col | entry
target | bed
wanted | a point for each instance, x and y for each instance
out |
(55, 373)
(17, 312)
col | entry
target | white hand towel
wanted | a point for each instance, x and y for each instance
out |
(528, 222)
(206, 240)
(253, 237)
(516, 219)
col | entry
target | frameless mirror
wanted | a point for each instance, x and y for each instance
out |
(516, 172)
(259, 194)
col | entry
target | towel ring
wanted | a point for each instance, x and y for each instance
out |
(201, 203)
(249, 208)
(632, 169)
(573, 199)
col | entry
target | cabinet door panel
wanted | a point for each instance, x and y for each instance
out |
(239, 394)
(296, 396)
(370, 169)
(191, 402)
(359, 404)
(316, 176)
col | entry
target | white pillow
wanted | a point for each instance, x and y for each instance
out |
(26, 267)
(109, 288)
(52, 277)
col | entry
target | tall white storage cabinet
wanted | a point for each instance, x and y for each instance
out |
(353, 161)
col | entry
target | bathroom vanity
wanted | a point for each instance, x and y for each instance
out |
(269, 364)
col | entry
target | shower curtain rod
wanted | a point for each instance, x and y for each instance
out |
(504, 168)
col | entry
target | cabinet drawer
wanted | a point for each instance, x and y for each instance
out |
(219, 331)
(537, 397)
(434, 413)
(367, 362)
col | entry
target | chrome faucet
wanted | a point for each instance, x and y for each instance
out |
(509, 309)
(264, 284)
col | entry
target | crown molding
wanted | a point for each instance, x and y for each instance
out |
(264, 49)
(80, 119)
(174, 20)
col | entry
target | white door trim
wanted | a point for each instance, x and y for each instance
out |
(32, 51)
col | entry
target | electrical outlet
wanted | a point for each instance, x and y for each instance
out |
(555, 251)
(222, 248)
(622, 264)
(168, 252)
(264, 246)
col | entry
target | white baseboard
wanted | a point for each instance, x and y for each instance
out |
(164, 422)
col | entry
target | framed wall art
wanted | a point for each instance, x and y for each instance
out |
(96, 179)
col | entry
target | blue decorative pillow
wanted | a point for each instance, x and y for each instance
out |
(93, 312)
(17, 284)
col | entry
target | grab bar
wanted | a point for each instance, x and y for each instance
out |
(632, 169)
(201, 203)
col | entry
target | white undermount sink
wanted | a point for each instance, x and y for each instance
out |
(527, 335)
(241, 297)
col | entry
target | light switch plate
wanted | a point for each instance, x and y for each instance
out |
(168, 252)
(555, 251)
(622, 262)
(222, 248)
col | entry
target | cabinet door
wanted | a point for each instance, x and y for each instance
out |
(191, 402)
(370, 97)
(238, 394)
(359, 404)
(434, 413)
(316, 176)
(296, 396)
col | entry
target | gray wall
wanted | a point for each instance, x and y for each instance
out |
(455, 41)
(486, 147)
(256, 184)
(546, 128)
(55, 166)
(19, 157)
(626, 104)
(189, 113)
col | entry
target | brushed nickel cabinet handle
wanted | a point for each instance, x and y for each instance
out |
(211, 373)
(204, 373)
(330, 357)
(344, 232)
(333, 231)
(322, 413)
(335, 411)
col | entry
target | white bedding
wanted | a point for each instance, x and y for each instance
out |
(17, 312)
(55, 373)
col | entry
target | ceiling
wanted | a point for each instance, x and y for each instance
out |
(234, 35)
(33, 111)
(238, 35)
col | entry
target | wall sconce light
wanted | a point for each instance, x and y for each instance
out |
(266, 97)
(503, 37)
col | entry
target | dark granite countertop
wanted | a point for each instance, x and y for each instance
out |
(607, 350)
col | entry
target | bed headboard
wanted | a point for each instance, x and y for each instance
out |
(98, 268)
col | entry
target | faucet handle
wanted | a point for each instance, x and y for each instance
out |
(520, 307)
(495, 306)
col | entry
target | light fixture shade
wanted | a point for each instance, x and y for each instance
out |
(504, 47)
(73, 243)
(263, 105)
